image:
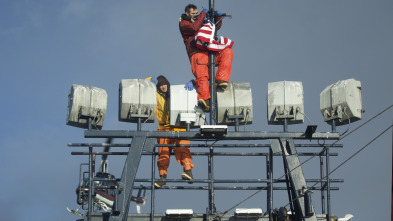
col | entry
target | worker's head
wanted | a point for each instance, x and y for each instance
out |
(191, 11)
(162, 84)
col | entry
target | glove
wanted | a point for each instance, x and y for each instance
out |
(154, 80)
(218, 13)
(189, 86)
(205, 10)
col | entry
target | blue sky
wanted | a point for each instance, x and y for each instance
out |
(46, 46)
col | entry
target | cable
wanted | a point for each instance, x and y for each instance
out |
(349, 122)
(344, 162)
(309, 121)
(245, 122)
(317, 154)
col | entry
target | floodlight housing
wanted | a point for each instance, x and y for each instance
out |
(179, 213)
(236, 100)
(342, 101)
(137, 99)
(248, 213)
(183, 107)
(285, 101)
(86, 102)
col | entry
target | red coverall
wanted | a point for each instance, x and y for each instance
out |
(188, 30)
(182, 154)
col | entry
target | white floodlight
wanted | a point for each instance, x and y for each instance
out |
(343, 101)
(235, 102)
(285, 101)
(244, 213)
(179, 213)
(137, 99)
(184, 108)
(86, 102)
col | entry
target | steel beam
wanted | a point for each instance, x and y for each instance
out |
(296, 176)
(124, 191)
(255, 135)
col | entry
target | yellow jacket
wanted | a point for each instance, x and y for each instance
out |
(162, 113)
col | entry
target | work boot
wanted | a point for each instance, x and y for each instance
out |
(221, 84)
(187, 175)
(161, 183)
(204, 104)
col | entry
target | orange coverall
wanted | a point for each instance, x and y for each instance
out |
(188, 30)
(182, 154)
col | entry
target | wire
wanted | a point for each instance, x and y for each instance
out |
(245, 122)
(344, 162)
(349, 122)
(309, 121)
(317, 154)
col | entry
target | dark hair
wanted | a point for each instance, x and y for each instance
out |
(163, 81)
(190, 6)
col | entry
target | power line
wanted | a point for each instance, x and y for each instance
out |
(317, 154)
(345, 161)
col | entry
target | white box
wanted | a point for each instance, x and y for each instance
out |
(235, 100)
(137, 99)
(285, 100)
(86, 102)
(183, 101)
(343, 101)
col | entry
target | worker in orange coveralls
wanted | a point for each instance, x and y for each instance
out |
(189, 24)
(182, 154)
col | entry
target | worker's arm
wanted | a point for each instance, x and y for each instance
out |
(190, 28)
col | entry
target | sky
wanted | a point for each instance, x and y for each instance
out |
(46, 46)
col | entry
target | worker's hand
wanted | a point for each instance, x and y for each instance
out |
(205, 10)
(218, 13)
(189, 86)
(154, 80)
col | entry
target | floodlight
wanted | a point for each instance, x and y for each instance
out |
(183, 108)
(84, 103)
(342, 101)
(179, 213)
(244, 213)
(137, 99)
(285, 101)
(235, 103)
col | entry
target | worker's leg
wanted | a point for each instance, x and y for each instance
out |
(224, 63)
(201, 73)
(164, 156)
(183, 155)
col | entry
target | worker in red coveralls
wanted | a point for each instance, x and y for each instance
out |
(190, 23)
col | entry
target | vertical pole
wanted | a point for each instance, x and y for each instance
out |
(90, 200)
(139, 125)
(334, 126)
(212, 61)
(322, 183)
(285, 124)
(269, 173)
(213, 113)
(211, 182)
(328, 182)
(153, 189)
(89, 123)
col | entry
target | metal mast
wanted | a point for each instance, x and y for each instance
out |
(212, 74)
